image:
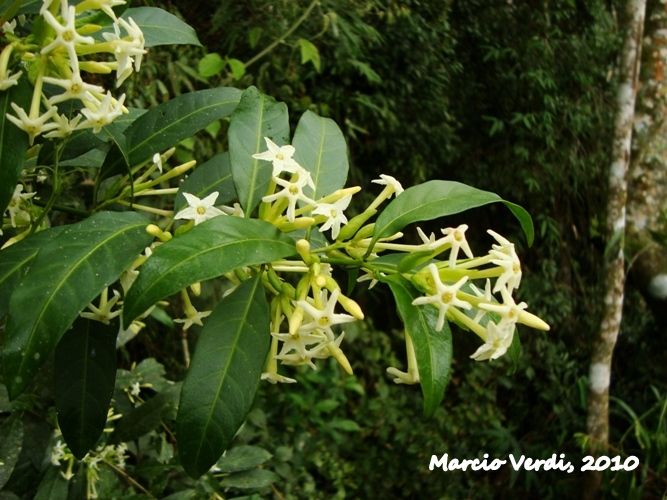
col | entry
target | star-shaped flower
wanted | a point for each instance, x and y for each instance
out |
(200, 210)
(104, 313)
(279, 156)
(324, 319)
(14, 207)
(388, 180)
(275, 377)
(9, 81)
(403, 377)
(498, 340)
(456, 237)
(506, 258)
(66, 35)
(65, 126)
(508, 310)
(293, 192)
(444, 297)
(103, 113)
(334, 212)
(75, 88)
(299, 342)
(192, 316)
(33, 126)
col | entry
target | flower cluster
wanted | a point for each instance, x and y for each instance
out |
(59, 62)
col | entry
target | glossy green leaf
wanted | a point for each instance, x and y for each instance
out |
(84, 376)
(242, 458)
(208, 250)
(166, 125)
(53, 486)
(435, 199)
(432, 349)
(214, 175)
(257, 116)
(224, 375)
(13, 140)
(11, 442)
(514, 352)
(67, 274)
(211, 64)
(321, 149)
(15, 262)
(161, 28)
(148, 416)
(237, 67)
(251, 479)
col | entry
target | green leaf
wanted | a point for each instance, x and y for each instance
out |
(148, 416)
(309, 53)
(220, 386)
(345, 425)
(237, 67)
(257, 116)
(242, 458)
(53, 485)
(252, 479)
(85, 372)
(214, 175)
(432, 349)
(11, 432)
(13, 140)
(208, 250)
(211, 64)
(161, 28)
(435, 199)
(16, 259)
(166, 125)
(514, 352)
(321, 149)
(67, 274)
(254, 36)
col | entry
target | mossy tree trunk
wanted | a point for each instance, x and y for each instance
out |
(603, 344)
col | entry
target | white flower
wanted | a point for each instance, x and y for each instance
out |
(456, 237)
(75, 88)
(235, 211)
(135, 389)
(136, 47)
(486, 295)
(66, 35)
(103, 113)
(388, 180)
(498, 340)
(403, 377)
(8, 81)
(8, 27)
(429, 241)
(506, 258)
(157, 159)
(293, 192)
(334, 212)
(324, 319)
(508, 310)
(280, 156)
(65, 127)
(103, 313)
(275, 377)
(193, 318)
(14, 207)
(299, 342)
(199, 210)
(369, 276)
(58, 452)
(444, 297)
(33, 126)
(104, 5)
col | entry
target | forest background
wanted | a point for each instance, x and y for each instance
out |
(511, 97)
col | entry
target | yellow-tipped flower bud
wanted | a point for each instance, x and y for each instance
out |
(154, 230)
(95, 67)
(338, 354)
(196, 289)
(299, 223)
(533, 321)
(296, 320)
(350, 306)
(303, 248)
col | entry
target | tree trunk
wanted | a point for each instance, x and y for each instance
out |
(648, 171)
(603, 346)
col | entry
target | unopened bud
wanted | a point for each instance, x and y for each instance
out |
(95, 67)
(296, 320)
(154, 230)
(355, 224)
(528, 319)
(338, 354)
(196, 289)
(299, 223)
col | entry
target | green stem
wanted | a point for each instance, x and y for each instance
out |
(282, 38)
(63, 208)
(54, 193)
